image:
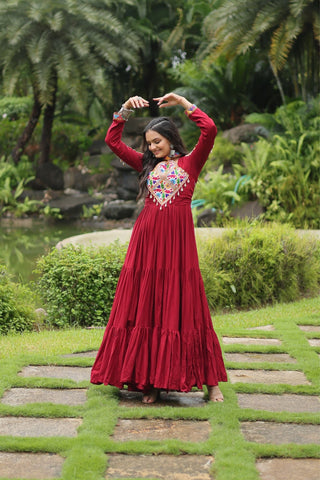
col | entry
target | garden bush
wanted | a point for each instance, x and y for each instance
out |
(256, 265)
(17, 311)
(78, 284)
(246, 268)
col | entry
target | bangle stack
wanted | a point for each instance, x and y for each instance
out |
(123, 113)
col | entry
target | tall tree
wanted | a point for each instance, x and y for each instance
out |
(288, 31)
(60, 41)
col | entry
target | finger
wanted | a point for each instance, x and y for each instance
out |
(159, 99)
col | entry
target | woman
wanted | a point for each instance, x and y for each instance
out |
(160, 334)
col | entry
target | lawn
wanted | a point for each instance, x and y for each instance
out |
(235, 457)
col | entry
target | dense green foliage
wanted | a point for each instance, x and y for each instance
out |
(69, 80)
(78, 284)
(287, 34)
(250, 267)
(16, 305)
(246, 268)
(14, 107)
(282, 172)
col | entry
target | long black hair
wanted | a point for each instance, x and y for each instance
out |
(168, 129)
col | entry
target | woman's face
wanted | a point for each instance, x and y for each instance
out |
(157, 144)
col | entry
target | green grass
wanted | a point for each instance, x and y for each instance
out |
(86, 455)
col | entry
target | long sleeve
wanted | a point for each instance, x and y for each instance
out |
(194, 161)
(125, 153)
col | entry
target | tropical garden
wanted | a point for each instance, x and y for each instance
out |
(65, 66)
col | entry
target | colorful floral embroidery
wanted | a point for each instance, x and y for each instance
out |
(165, 182)
(190, 110)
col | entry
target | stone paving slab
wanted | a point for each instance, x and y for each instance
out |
(160, 429)
(91, 353)
(39, 427)
(250, 341)
(78, 374)
(259, 357)
(22, 396)
(33, 466)
(266, 328)
(172, 399)
(161, 467)
(288, 377)
(314, 342)
(279, 403)
(279, 433)
(294, 468)
(309, 328)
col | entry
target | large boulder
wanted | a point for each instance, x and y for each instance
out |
(119, 209)
(247, 133)
(49, 175)
(71, 206)
(249, 210)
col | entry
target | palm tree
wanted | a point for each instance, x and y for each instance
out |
(287, 30)
(61, 41)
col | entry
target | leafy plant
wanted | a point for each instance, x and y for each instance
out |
(252, 266)
(78, 283)
(93, 211)
(217, 189)
(16, 305)
(285, 170)
(14, 107)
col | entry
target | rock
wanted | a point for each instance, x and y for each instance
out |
(206, 218)
(31, 194)
(250, 210)
(76, 179)
(72, 207)
(248, 133)
(50, 176)
(99, 146)
(119, 209)
(124, 194)
(40, 313)
(136, 125)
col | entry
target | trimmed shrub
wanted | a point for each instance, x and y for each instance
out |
(17, 312)
(78, 283)
(253, 266)
(246, 268)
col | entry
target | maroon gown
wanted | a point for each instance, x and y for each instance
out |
(160, 332)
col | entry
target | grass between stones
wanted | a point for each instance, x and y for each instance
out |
(86, 455)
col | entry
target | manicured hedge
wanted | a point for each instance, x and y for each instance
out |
(77, 284)
(17, 311)
(246, 268)
(254, 266)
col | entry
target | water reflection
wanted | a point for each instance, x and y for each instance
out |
(20, 246)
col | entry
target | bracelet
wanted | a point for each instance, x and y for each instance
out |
(125, 112)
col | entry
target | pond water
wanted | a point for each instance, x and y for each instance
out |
(22, 243)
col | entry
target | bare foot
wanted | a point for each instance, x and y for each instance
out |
(215, 394)
(152, 396)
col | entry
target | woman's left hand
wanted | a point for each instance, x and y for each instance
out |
(172, 99)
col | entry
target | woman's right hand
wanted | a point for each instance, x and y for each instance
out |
(136, 102)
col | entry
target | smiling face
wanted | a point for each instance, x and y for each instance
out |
(157, 144)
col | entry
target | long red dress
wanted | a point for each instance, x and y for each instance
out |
(160, 332)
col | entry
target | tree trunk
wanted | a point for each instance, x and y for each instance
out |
(275, 73)
(48, 118)
(28, 131)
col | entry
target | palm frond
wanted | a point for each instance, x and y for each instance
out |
(282, 41)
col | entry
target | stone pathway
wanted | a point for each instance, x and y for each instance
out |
(258, 431)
